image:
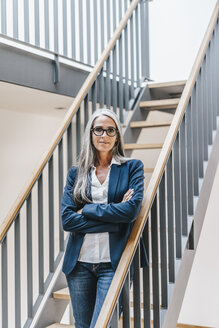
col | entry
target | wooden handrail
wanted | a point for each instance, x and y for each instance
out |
(127, 256)
(72, 110)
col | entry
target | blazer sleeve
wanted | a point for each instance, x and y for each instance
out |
(73, 221)
(125, 212)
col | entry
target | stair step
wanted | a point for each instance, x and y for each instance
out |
(160, 104)
(144, 124)
(142, 146)
(62, 294)
(154, 85)
(59, 325)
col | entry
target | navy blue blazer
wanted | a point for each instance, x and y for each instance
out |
(116, 217)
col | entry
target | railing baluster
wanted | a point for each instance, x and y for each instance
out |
(170, 216)
(136, 289)
(26, 21)
(183, 170)
(65, 30)
(15, 19)
(29, 258)
(114, 82)
(60, 178)
(214, 90)
(95, 31)
(101, 88)
(69, 147)
(56, 28)
(73, 48)
(81, 31)
(137, 27)
(163, 243)
(17, 252)
(86, 109)
(51, 215)
(46, 23)
(208, 91)
(40, 235)
(108, 21)
(121, 79)
(126, 69)
(195, 142)
(205, 110)
(155, 264)
(78, 130)
(189, 148)
(115, 317)
(200, 123)
(4, 286)
(132, 61)
(126, 302)
(102, 24)
(3, 17)
(177, 196)
(37, 22)
(108, 82)
(146, 280)
(217, 63)
(94, 96)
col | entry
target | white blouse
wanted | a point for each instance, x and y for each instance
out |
(95, 247)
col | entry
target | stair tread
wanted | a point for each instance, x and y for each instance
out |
(62, 294)
(160, 103)
(144, 124)
(153, 85)
(143, 146)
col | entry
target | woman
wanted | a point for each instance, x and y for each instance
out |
(101, 200)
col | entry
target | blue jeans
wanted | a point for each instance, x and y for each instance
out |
(88, 284)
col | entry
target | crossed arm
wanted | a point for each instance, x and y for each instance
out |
(96, 217)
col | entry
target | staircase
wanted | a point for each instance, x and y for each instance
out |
(148, 127)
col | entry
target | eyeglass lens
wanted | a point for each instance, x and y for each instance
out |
(111, 132)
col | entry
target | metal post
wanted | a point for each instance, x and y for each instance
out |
(136, 289)
(177, 195)
(40, 235)
(65, 30)
(155, 264)
(46, 22)
(37, 22)
(29, 258)
(15, 19)
(60, 178)
(144, 11)
(4, 283)
(26, 21)
(17, 251)
(51, 215)
(78, 130)
(170, 216)
(163, 243)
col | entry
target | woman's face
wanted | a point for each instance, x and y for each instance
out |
(104, 143)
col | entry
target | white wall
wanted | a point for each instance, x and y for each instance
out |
(26, 130)
(201, 303)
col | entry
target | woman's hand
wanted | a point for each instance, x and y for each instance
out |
(80, 211)
(128, 195)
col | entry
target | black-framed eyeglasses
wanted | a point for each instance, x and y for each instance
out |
(98, 131)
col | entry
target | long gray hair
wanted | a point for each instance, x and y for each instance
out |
(88, 155)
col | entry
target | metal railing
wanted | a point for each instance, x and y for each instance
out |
(166, 219)
(31, 236)
(77, 29)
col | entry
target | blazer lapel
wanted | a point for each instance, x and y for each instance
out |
(113, 181)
